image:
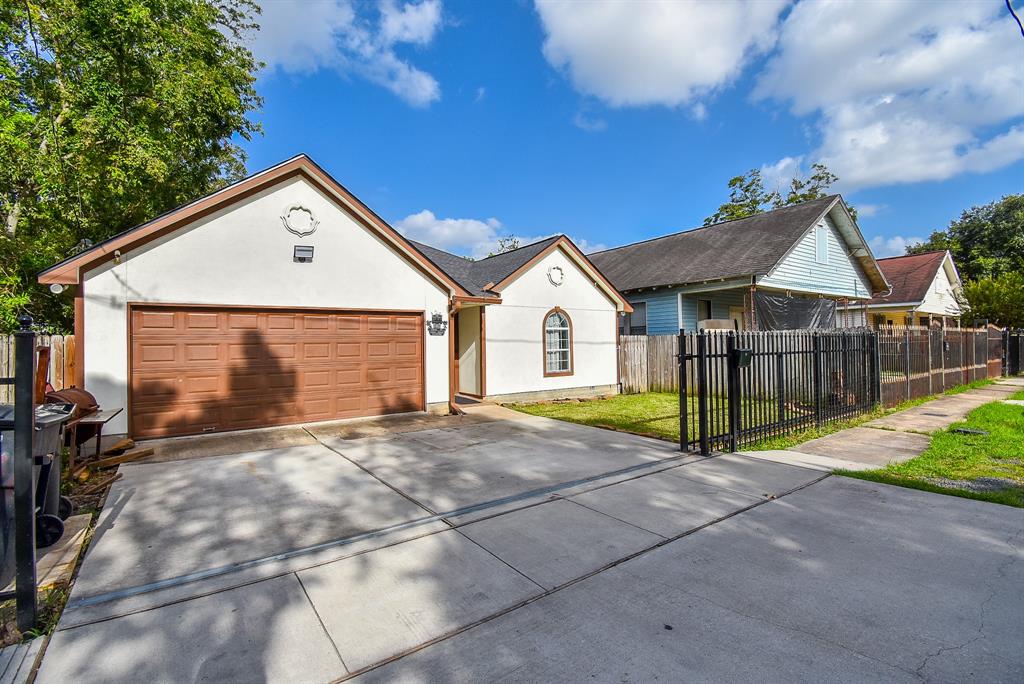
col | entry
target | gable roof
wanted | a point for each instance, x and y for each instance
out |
(910, 276)
(749, 246)
(475, 275)
(70, 270)
(489, 276)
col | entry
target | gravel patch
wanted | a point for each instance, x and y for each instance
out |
(982, 484)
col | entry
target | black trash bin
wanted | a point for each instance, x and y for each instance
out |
(51, 508)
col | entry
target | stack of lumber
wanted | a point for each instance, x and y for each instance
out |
(122, 452)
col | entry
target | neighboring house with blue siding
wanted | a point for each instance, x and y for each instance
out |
(804, 265)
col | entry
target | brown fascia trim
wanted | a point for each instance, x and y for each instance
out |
(459, 299)
(69, 272)
(566, 243)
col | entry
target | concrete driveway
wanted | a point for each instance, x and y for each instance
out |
(510, 547)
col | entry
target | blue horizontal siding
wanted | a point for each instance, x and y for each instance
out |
(663, 313)
(800, 271)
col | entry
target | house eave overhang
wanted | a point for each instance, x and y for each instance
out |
(894, 305)
(698, 285)
(71, 270)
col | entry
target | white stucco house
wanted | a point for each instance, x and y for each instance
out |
(926, 289)
(282, 299)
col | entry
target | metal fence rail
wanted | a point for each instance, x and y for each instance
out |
(750, 386)
(1013, 343)
(791, 380)
(918, 361)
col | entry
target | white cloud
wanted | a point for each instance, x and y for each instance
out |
(903, 92)
(869, 210)
(655, 52)
(779, 175)
(410, 23)
(469, 237)
(892, 246)
(481, 93)
(588, 123)
(461, 235)
(299, 37)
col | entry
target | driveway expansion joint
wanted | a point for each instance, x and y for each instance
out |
(577, 580)
(321, 621)
(188, 578)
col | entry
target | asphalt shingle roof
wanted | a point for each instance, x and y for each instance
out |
(474, 275)
(910, 276)
(748, 246)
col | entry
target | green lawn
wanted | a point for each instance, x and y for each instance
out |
(987, 467)
(1018, 395)
(652, 414)
(655, 414)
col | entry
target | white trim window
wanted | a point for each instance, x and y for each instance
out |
(821, 244)
(557, 344)
(634, 323)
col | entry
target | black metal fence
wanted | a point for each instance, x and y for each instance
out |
(744, 387)
(1013, 360)
(917, 361)
(750, 386)
(18, 514)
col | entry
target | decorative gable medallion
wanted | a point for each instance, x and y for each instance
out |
(299, 220)
(556, 275)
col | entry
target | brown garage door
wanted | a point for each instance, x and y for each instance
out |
(199, 370)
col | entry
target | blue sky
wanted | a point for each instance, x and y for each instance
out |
(612, 122)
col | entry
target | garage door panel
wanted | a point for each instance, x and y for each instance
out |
(154, 321)
(316, 351)
(203, 351)
(156, 353)
(243, 321)
(202, 321)
(209, 370)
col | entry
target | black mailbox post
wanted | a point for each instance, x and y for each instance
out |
(741, 358)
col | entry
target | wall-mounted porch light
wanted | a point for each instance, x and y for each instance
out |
(303, 254)
(437, 325)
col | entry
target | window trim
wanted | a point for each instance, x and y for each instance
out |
(544, 344)
(821, 250)
(710, 309)
(628, 318)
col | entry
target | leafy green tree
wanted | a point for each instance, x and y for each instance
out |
(505, 244)
(748, 196)
(112, 112)
(987, 241)
(999, 299)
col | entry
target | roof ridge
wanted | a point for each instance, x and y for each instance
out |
(904, 256)
(510, 251)
(720, 223)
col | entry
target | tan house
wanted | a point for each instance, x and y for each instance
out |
(926, 289)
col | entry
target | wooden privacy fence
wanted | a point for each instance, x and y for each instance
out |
(62, 361)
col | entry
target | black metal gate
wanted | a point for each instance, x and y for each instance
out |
(1014, 345)
(742, 387)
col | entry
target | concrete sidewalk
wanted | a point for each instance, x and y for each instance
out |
(894, 438)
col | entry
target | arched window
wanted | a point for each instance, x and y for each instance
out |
(557, 343)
